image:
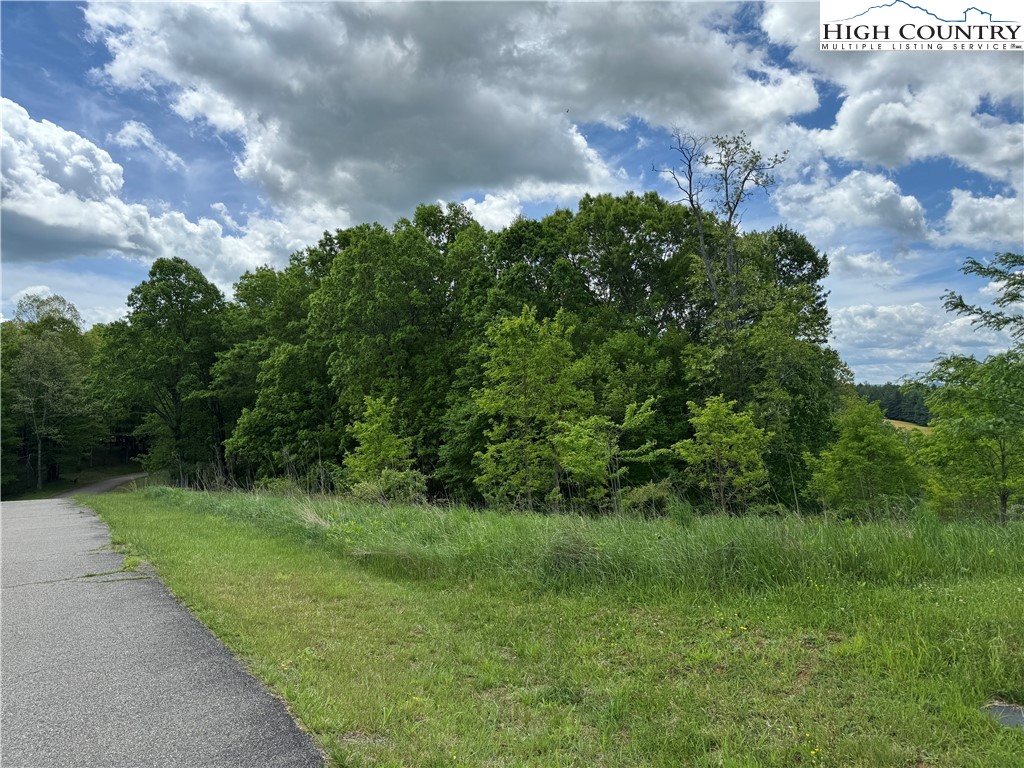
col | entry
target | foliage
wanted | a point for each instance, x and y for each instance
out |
(726, 453)
(523, 366)
(901, 403)
(378, 445)
(158, 361)
(50, 418)
(869, 468)
(977, 446)
(1006, 270)
(531, 387)
(392, 486)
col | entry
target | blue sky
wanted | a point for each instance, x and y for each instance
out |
(234, 135)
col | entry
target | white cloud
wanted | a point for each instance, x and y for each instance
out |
(61, 198)
(984, 222)
(883, 342)
(870, 265)
(859, 201)
(136, 134)
(898, 109)
(494, 212)
(375, 108)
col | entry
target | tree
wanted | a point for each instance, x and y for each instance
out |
(869, 466)
(1007, 270)
(977, 446)
(717, 175)
(530, 387)
(45, 360)
(378, 445)
(725, 453)
(159, 361)
(590, 451)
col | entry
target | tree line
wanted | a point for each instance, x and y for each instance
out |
(628, 356)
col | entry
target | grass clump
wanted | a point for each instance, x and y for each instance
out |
(446, 637)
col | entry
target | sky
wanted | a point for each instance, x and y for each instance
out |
(234, 135)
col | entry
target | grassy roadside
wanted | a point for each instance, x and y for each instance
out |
(419, 637)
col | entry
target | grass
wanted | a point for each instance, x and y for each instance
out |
(429, 637)
(84, 477)
(909, 426)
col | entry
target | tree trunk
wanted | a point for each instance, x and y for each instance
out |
(39, 462)
(1004, 500)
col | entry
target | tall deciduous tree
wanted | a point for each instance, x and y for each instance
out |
(46, 395)
(159, 359)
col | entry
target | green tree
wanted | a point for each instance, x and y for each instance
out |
(726, 453)
(870, 465)
(1007, 271)
(159, 360)
(591, 453)
(379, 447)
(273, 377)
(531, 379)
(977, 447)
(46, 394)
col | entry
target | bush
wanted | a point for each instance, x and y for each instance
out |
(650, 500)
(393, 486)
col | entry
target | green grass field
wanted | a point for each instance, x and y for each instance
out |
(909, 426)
(430, 637)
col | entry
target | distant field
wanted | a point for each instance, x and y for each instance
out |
(907, 425)
(430, 637)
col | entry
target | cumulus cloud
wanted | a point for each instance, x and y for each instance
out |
(494, 212)
(860, 200)
(136, 134)
(900, 109)
(984, 222)
(885, 342)
(61, 198)
(870, 265)
(376, 108)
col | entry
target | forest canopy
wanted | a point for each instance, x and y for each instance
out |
(630, 355)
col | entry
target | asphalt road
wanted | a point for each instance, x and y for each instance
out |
(99, 667)
(103, 486)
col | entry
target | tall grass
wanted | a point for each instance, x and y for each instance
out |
(441, 637)
(713, 553)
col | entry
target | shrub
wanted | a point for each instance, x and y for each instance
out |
(649, 500)
(393, 486)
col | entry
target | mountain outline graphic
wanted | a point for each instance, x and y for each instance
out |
(933, 15)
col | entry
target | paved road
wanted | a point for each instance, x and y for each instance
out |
(110, 670)
(103, 486)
